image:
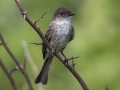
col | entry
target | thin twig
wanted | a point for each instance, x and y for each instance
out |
(73, 64)
(36, 43)
(71, 58)
(41, 16)
(77, 76)
(17, 62)
(14, 69)
(7, 72)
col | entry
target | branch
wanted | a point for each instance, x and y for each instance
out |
(17, 62)
(36, 43)
(17, 68)
(41, 16)
(82, 83)
(14, 69)
(7, 72)
(71, 58)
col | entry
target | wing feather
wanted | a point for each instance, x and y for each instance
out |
(48, 37)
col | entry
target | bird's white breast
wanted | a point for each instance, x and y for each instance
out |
(62, 34)
(63, 27)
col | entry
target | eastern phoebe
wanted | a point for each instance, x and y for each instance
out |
(59, 33)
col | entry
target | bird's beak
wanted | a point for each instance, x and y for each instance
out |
(72, 14)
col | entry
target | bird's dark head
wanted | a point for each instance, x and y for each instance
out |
(63, 13)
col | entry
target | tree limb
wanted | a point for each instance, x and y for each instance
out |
(7, 72)
(17, 62)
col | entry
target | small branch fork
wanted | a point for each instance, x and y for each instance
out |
(33, 24)
(7, 72)
(41, 17)
(19, 66)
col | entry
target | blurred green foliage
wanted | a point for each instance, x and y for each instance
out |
(97, 42)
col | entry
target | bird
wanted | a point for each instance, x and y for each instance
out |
(59, 33)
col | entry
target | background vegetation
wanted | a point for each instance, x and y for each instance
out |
(97, 42)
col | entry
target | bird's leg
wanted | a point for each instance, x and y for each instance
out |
(63, 55)
(66, 61)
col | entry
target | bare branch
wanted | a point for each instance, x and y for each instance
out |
(77, 76)
(41, 16)
(14, 69)
(71, 58)
(73, 64)
(36, 43)
(7, 72)
(17, 62)
(17, 68)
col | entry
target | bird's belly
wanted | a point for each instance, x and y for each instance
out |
(61, 35)
(61, 39)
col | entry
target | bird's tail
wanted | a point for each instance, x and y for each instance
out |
(43, 75)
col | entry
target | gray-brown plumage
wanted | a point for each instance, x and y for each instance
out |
(59, 33)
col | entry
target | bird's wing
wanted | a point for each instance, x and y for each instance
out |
(72, 33)
(48, 37)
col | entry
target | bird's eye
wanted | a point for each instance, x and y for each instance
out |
(61, 14)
